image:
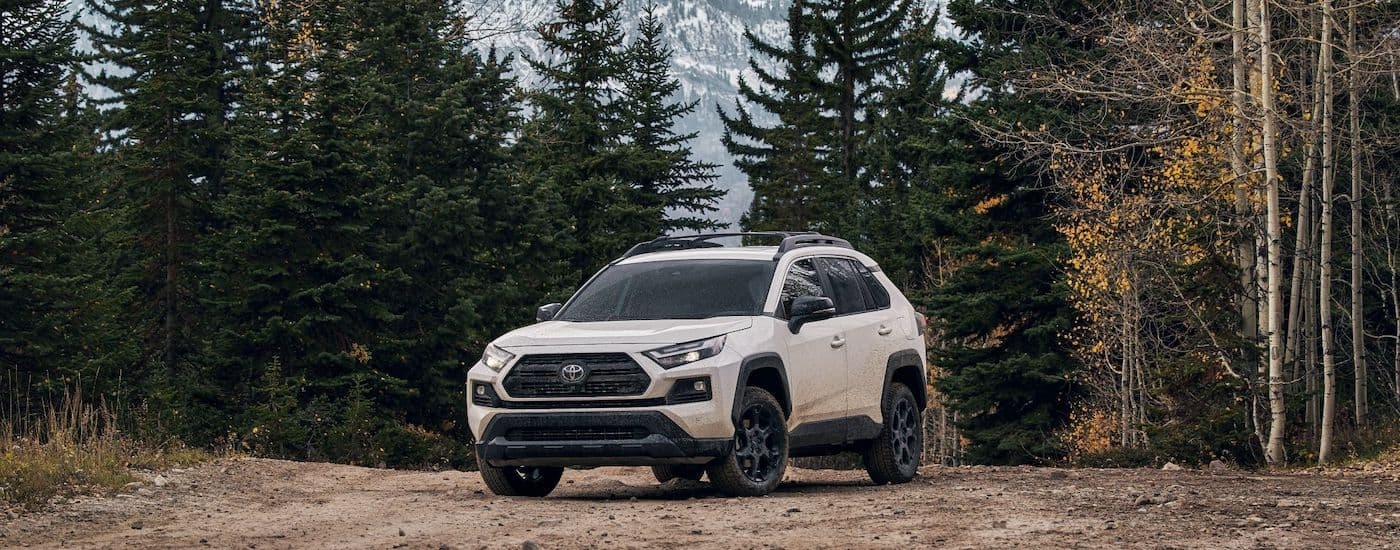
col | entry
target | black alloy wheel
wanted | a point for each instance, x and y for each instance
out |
(755, 464)
(905, 429)
(757, 444)
(893, 457)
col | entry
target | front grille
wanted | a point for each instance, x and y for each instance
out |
(609, 374)
(590, 404)
(581, 433)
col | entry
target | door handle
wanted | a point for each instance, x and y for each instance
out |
(885, 330)
(837, 342)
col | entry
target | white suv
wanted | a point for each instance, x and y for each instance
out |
(695, 358)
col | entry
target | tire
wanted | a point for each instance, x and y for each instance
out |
(758, 458)
(893, 457)
(668, 472)
(520, 481)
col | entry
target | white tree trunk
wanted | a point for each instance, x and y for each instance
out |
(1358, 262)
(1303, 242)
(1277, 407)
(1329, 359)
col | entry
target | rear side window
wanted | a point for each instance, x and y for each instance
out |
(879, 297)
(802, 280)
(847, 285)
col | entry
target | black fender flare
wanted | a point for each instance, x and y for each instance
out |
(753, 363)
(908, 358)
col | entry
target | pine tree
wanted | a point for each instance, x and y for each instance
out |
(999, 306)
(300, 278)
(673, 188)
(171, 68)
(838, 55)
(36, 183)
(787, 160)
(100, 349)
(917, 153)
(571, 146)
(459, 290)
(858, 42)
(1002, 303)
(361, 269)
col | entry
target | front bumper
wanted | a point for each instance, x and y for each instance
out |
(709, 419)
(635, 438)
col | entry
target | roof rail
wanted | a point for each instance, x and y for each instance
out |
(810, 239)
(790, 240)
(702, 240)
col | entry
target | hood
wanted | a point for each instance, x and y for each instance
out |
(660, 333)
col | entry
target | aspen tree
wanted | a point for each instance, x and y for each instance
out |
(1274, 230)
(1358, 262)
(1329, 358)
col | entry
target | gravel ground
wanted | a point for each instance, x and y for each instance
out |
(257, 503)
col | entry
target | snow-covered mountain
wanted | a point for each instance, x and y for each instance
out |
(710, 54)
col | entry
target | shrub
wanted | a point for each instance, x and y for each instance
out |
(72, 447)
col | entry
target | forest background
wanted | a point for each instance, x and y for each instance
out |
(1144, 231)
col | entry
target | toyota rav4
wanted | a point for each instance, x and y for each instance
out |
(697, 359)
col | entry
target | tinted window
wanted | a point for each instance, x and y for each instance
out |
(847, 285)
(691, 289)
(802, 280)
(879, 297)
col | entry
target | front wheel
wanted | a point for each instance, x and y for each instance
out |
(758, 459)
(520, 481)
(894, 455)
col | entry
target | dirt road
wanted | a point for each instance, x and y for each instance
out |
(254, 503)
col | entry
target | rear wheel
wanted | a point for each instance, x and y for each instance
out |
(758, 459)
(668, 472)
(520, 481)
(894, 455)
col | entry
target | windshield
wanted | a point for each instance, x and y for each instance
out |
(689, 289)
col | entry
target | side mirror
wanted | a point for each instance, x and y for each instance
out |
(547, 312)
(806, 309)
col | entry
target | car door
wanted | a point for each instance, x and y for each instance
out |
(816, 360)
(870, 338)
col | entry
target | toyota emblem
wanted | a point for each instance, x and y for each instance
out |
(572, 373)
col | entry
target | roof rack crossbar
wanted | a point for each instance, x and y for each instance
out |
(702, 240)
(810, 239)
(790, 240)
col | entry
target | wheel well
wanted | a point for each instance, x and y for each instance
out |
(910, 376)
(771, 380)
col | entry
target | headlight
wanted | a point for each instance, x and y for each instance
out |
(689, 352)
(496, 358)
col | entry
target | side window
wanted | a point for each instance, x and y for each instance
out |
(802, 280)
(847, 285)
(879, 297)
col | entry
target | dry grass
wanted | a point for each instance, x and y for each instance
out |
(73, 447)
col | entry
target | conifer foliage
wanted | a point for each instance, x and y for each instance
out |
(36, 191)
(359, 265)
(292, 227)
(857, 133)
(674, 189)
(601, 140)
(301, 276)
(777, 134)
(172, 73)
